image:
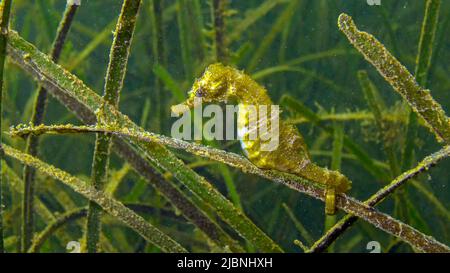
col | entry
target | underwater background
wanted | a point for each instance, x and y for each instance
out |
(293, 48)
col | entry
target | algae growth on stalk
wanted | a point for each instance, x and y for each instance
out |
(330, 91)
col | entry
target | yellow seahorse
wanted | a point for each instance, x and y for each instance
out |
(221, 83)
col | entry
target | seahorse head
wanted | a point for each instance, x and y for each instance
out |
(215, 85)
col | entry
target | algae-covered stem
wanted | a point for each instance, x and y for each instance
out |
(159, 58)
(5, 9)
(398, 77)
(83, 101)
(115, 76)
(423, 63)
(188, 207)
(426, 42)
(68, 86)
(109, 204)
(36, 119)
(333, 233)
(220, 41)
(380, 220)
(377, 106)
(55, 224)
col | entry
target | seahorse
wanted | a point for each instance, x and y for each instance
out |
(220, 83)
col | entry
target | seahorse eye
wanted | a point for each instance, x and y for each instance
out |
(199, 92)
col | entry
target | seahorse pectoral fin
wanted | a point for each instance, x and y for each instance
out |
(330, 201)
